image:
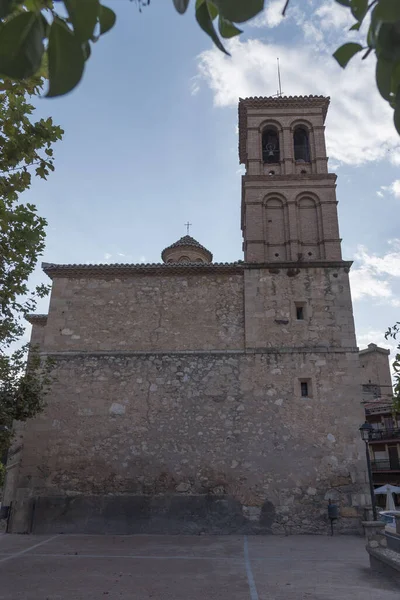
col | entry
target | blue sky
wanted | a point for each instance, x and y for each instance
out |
(151, 141)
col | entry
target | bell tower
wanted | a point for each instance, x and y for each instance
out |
(289, 206)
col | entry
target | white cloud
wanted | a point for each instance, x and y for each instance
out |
(388, 264)
(116, 257)
(360, 123)
(393, 188)
(333, 15)
(377, 337)
(364, 282)
(194, 85)
(396, 188)
(395, 156)
(378, 193)
(312, 32)
(373, 276)
(271, 16)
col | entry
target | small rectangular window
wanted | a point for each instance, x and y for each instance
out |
(304, 389)
(300, 310)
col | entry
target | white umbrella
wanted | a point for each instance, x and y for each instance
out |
(388, 490)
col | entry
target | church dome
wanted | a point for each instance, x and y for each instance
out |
(186, 250)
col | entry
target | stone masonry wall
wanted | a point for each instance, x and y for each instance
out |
(146, 312)
(271, 298)
(229, 424)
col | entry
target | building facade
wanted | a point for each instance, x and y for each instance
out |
(192, 396)
(384, 444)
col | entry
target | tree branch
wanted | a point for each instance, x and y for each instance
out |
(285, 7)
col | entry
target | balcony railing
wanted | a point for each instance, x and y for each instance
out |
(385, 465)
(380, 409)
(384, 434)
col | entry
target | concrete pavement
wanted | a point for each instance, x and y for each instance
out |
(83, 567)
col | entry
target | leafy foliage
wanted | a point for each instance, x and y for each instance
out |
(383, 38)
(393, 332)
(26, 151)
(22, 390)
(34, 32)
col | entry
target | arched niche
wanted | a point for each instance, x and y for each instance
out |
(301, 144)
(275, 229)
(309, 230)
(270, 144)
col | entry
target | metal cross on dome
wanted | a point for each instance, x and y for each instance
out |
(188, 225)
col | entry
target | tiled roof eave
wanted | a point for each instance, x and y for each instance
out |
(78, 270)
(106, 270)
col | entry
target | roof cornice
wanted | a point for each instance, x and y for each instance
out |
(115, 270)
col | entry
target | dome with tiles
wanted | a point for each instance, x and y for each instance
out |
(186, 250)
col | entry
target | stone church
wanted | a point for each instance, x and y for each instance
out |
(195, 396)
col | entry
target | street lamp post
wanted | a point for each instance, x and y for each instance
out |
(365, 431)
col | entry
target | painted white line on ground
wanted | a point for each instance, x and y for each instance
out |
(132, 556)
(250, 578)
(28, 549)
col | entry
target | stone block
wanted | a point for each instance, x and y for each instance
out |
(349, 512)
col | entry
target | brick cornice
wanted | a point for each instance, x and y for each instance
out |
(306, 177)
(311, 264)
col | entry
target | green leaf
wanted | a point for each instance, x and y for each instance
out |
(5, 8)
(87, 50)
(204, 20)
(21, 45)
(107, 19)
(227, 29)
(181, 5)
(66, 59)
(372, 32)
(83, 15)
(346, 53)
(344, 2)
(388, 42)
(213, 10)
(33, 5)
(395, 82)
(355, 27)
(359, 9)
(388, 11)
(396, 118)
(239, 11)
(384, 77)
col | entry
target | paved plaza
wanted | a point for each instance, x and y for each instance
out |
(83, 567)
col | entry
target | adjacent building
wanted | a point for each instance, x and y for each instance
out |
(384, 442)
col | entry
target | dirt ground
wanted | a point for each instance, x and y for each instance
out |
(83, 567)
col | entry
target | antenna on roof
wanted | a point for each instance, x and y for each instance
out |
(279, 79)
(279, 92)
